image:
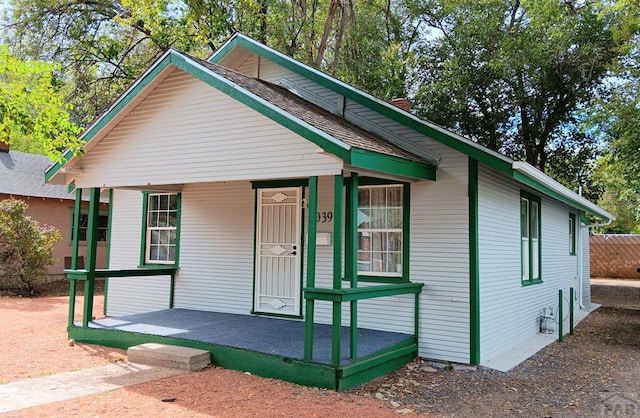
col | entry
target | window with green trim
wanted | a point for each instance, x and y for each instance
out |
(103, 226)
(161, 225)
(572, 234)
(531, 247)
(380, 230)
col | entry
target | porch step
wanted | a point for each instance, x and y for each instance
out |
(172, 356)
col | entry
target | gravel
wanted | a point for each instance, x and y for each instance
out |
(595, 372)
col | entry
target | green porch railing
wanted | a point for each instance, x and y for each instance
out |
(339, 296)
(89, 277)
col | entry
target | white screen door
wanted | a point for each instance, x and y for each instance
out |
(278, 252)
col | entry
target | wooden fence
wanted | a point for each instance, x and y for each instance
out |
(616, 256)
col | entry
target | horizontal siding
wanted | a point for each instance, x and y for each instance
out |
(129, 295)
(216, 248)
(439, 235)
(586, 266)
(509, 311)
(186, 131)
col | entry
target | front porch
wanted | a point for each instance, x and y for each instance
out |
(268, 347)
(346, 328)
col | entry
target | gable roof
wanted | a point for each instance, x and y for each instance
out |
(353, 145)
(21, 175)
(521, 172)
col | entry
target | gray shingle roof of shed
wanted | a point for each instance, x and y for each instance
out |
(332, 124)
(22, 174)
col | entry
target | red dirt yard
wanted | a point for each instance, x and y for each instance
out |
(34, 344)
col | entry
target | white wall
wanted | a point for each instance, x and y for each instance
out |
(186, 131)
(509, 311)
(129, 295)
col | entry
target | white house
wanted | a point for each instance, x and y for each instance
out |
(299, 228)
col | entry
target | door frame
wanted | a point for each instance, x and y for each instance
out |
(275, 184)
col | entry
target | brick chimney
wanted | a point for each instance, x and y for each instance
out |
(403, 103)
(4, 147)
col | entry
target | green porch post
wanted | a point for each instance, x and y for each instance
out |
(336, 336)
(311, 266)
(351, 237)
(90, 262)
(74, 254)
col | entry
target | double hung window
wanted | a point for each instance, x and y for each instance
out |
(530, 233)
(380, 230)
(572, 234)
(161, 225)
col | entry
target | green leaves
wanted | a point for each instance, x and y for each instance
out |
(31, 106)
(26, 248)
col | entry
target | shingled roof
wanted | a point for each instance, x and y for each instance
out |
(319, 118)
(22, 174)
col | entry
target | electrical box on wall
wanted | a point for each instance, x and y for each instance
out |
(322, 238)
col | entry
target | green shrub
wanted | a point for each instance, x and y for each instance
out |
(26, 248)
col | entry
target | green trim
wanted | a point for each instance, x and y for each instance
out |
(143, 233)
(139, 272)
(71, 187)
(92, 247)
(573, 243)
(338, 197)
(531, 199)
(312, 230)
(103, 212)
(107, 117)
(370, 292)
(318, 137)
(491, 159)
(266, 365)
(275, 184)
(74, 256)
(406, 231)
(108, 256)
(474, 267)
(77, 210)
(336, 323)
(261, 364)
(351, 255)
(356, 157)
(547, 191)
(392, 165)
(255, 248)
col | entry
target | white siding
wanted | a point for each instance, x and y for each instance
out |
(129, 295)
(216, 248)
(586, 266)
(439, 234)
(509, 311)
(186, 131)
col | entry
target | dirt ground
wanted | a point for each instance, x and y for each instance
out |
(593, 373)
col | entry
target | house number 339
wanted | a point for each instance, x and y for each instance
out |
(325, 217)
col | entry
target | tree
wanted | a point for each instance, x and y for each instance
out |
(31, 107)
(103, 45)
(26, 248)
(517, 75)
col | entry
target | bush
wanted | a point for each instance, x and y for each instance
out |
(26, 248)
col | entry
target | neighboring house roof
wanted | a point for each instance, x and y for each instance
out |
(520, 171)
(21, 174)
